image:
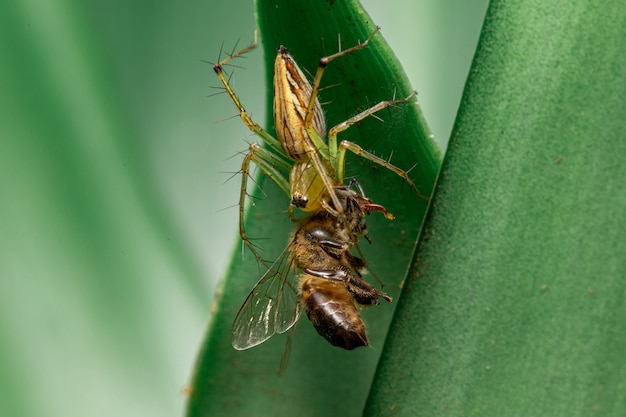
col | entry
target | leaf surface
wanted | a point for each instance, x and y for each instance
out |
(515, 305)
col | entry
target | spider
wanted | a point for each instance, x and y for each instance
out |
(303, 160)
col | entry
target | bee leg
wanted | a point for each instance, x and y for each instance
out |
(364, 293)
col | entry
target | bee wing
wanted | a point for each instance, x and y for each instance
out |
(271, 307)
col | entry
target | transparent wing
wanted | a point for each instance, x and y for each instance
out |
(272, 305)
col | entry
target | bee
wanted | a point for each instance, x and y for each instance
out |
(316, 273)
(304, 160)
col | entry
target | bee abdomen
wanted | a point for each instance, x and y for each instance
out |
(331, 309)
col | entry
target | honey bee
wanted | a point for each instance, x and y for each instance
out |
(316, 273)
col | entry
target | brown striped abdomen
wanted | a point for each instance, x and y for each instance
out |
(332, 310)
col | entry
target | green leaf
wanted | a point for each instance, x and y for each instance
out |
(516, 305)
(321, 379)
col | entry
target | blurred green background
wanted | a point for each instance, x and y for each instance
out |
(117, 217)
